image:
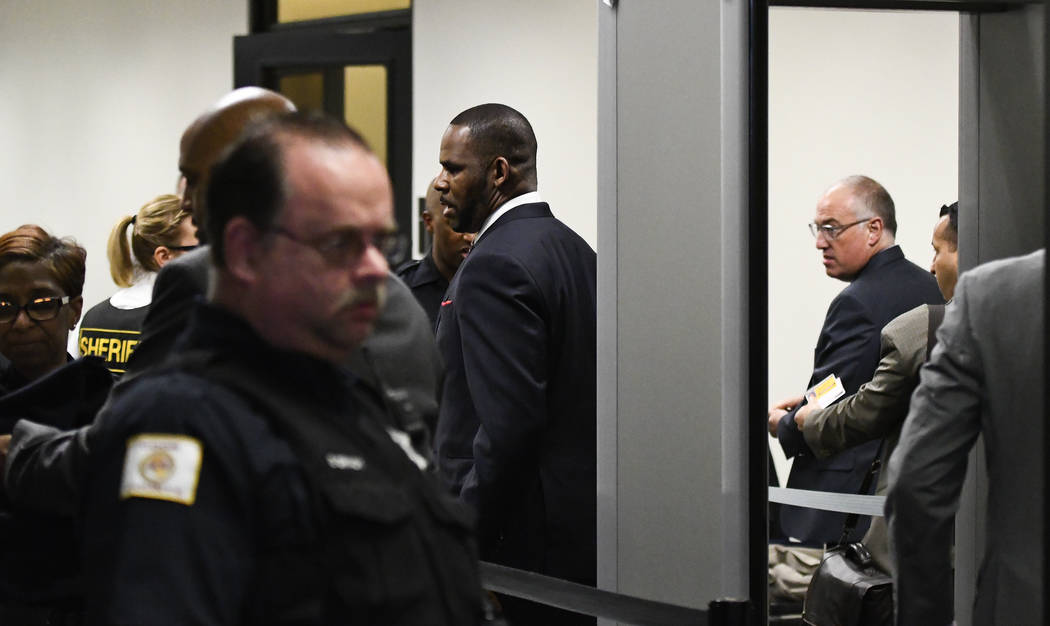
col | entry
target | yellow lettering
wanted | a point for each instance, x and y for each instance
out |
(129, 347)
(112, 349)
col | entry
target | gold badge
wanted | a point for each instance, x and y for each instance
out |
(157, 468)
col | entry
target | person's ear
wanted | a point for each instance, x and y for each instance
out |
(242, 248)
(500, 170)
(874, 230)
(76, 305)
(428, 221)
(161, 255)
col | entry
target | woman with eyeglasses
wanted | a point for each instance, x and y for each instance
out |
(160, 232)
(41, 279)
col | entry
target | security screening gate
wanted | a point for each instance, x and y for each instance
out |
(1002, 194)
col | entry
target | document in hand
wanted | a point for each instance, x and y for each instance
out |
(826, 391)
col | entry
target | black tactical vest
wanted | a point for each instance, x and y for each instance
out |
(111, 334)
(391, 548)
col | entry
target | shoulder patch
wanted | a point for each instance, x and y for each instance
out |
(162, 467)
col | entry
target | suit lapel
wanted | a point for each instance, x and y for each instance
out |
(525, 211)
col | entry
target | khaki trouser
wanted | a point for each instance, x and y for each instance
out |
(790, 570)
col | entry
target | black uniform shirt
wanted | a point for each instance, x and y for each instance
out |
(158, 561)
(426, 282)
(176, 540)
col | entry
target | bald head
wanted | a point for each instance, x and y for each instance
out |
(208, 136)
(871, 198)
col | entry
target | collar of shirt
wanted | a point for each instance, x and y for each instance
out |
(421, 273)
(140, 293)
(880, 259)
(525, 198)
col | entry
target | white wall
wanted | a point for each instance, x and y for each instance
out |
(540, 57)
(96, 96)
(852, 92)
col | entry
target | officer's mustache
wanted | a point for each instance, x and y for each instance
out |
(374, 294)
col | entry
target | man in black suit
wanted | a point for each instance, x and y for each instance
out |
(855, 226)
(516, 429)
(428, 278)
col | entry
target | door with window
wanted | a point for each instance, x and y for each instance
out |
(349, 58)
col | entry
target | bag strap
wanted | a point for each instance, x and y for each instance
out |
(853, 518)
(936, 316)
(934, 319)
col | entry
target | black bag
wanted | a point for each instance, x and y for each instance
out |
(849, 590)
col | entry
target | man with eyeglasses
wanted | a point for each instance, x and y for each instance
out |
(855, 228)
(244, 481)
(44, 467)
(878, 409)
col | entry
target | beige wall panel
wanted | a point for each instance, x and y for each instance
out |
(298, 10)
(365, 102)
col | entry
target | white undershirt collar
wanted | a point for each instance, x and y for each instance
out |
(525, 198)
(138, 294)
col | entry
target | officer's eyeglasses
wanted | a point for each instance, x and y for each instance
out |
(184, 248)
(38, 309)
(345, 247)
(832, 232)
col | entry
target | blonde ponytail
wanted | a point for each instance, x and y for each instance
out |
(118, 251)
(156, 224)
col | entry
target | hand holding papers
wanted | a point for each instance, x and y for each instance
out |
(821, 396)
(826, 391)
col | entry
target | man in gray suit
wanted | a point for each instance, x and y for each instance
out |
(984, 376)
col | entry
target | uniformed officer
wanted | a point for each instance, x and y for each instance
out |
(244, 481)
(428, 278)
